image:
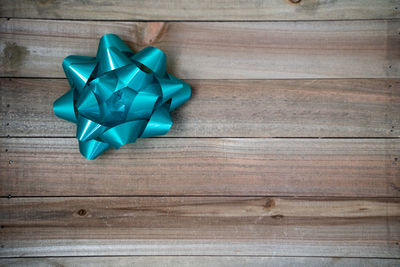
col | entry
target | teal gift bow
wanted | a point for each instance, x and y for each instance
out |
(119, 96)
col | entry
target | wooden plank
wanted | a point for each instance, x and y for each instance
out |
(202, 10)
(203, 166)
(212, 225)
(232, 108)
(197, 261)
(214, 50)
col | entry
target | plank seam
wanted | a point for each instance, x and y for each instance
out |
(199, 21)
(210, 196)
(213, 79)
(202, 255)
(224, 137)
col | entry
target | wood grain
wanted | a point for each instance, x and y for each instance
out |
(222, 225)
(197, 261)
(202, 10)
(230, 185)
(203, 166)
(232, 108)
(214, 50)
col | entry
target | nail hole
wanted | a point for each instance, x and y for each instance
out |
(390, 66)
(396, 159)
(82, 212)
(390, 86)
(8, 105)
(6, 150)
(9, 196)
(8, 124)
(2, 226)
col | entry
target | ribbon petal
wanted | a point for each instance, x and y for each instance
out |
(142, 106)
(88, 129)
(153, 58)
(159, 123)
(104, 86)
(112, 59)
(112, 40)
(64, 107)
(133, 77)
(180, 97)
(169, 88)
(78, 70)
(93, 148)
(124, 133)
(87, 105)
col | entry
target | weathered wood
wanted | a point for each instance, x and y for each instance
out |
(174, 246)
(214, 50)
(232, 108)
(207, 225)
(185, 195)
(203, 166)
(198, 261)
(202, 10)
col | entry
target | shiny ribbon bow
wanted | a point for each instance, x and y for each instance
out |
(118, 96)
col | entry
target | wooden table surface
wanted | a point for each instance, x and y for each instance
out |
(288, 152)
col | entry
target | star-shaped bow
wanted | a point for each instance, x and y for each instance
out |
(119, 96)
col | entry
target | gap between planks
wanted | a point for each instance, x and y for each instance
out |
(206, 196)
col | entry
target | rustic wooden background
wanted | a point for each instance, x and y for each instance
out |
(288, 152)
